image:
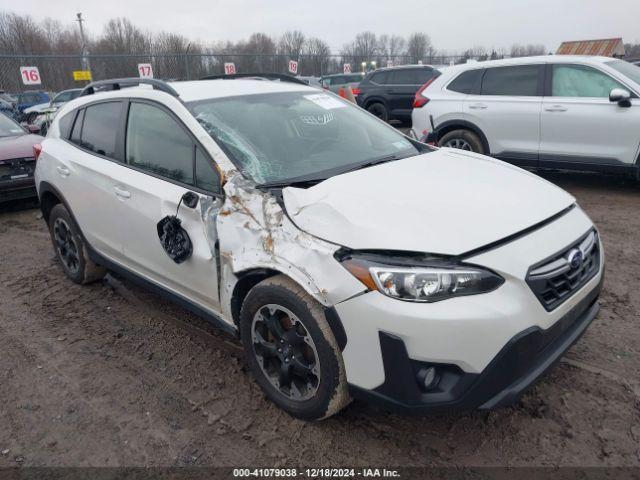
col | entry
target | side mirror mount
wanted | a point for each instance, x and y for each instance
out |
(621, 96)
(190, 199)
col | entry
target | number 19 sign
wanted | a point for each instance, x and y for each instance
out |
(145, 70)
(30, 75)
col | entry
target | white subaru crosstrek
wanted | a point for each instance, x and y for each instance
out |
(555, 111)
(350, 260)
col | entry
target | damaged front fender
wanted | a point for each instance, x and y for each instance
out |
(254, 232)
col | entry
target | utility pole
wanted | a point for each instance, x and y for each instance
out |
(83, 48)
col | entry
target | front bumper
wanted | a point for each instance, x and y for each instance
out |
(520, 363)
(487, 348)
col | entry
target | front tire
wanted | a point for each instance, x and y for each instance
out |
(292, 351)
(70, 248)
(463, 140)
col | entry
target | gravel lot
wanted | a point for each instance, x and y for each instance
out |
(111, 375)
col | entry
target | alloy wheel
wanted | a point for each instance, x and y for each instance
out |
(66, 244)
(459, 143)
(285, 352)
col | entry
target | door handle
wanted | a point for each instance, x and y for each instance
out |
(478, 106)
(121, 192)
(555, 108)
(63, 171)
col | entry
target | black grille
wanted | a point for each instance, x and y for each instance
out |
(555, 279)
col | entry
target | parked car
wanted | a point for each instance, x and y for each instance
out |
(350, 260)
(58, 100)
(388, 93)
(8, 109)
(29, 98)
(568, 112)
(311, 81)
(340, 80)
(17, 161)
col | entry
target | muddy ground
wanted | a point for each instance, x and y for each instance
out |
(109, 374)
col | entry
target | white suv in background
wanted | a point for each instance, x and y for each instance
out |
(557, 111)
(350, 260)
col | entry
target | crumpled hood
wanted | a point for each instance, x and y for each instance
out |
(447, 202)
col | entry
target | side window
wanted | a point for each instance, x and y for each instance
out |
(404, 77)
(62, 97)
(425, 74)
(380, 78)
(158, 144)
(581, 81)
(465, 82)
(100, 128)
(207, 177)
(65, 124)
(77, 127)
(519, 81)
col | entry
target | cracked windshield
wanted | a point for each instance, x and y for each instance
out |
(279, 136)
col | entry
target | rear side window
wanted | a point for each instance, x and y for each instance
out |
(65, 124)
(100, 128)
(520, 81)
(158, 144)
(581, 81)
(466, 81)
(77, 128)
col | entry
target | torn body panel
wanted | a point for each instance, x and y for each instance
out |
(254, 233)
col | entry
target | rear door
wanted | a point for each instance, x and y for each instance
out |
(85, 166)
(507, 110)
(165, 162)
(579, 125)
(402, 86)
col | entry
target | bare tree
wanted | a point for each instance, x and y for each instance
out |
(317, 54)
(419, 47)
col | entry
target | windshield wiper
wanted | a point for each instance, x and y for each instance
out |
(301, 182)
(374, 162)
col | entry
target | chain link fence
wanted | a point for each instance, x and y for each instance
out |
(56, 71)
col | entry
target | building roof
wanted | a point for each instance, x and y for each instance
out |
(608, 47)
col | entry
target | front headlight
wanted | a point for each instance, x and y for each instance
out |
(422, 283)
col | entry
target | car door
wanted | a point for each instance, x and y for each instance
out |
(507, 111)
(86, 165)
(579, 125)
(402, 87)
(165, 162)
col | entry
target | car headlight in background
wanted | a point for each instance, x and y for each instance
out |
(422, 283)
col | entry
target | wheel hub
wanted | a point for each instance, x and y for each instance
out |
(285, 352)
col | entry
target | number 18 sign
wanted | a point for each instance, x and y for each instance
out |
(30, 75)
(145, 70)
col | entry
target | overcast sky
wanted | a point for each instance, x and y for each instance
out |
(452, 24)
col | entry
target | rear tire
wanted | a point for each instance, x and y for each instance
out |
(292, 351)
(463, 140)
(71, 249)
(378, 109)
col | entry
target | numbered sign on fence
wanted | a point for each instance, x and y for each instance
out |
(230, 68)
(145, 70)
(346, 68)
(293, 67)
(30, 75)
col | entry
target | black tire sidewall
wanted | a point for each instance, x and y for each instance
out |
(468, 136)
(316, 407)
(383, 110)
(60, 211)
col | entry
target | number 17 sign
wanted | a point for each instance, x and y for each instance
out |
(145, 70)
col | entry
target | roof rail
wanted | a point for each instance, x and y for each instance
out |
(257, 76)
(119, 83)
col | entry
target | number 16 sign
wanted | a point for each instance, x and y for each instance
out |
(30, 75)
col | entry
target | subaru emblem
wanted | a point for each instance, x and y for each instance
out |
(575, 258)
